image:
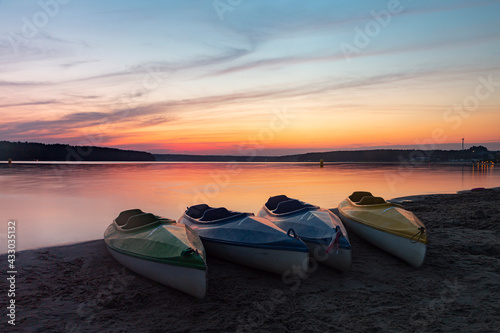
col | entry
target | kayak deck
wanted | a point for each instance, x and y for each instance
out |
(219, 225)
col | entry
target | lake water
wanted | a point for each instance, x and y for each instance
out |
(70, 202)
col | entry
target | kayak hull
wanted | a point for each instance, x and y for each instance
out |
(340, 259)
(188, 280)
(267, 259)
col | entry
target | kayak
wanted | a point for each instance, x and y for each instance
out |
(159, 249)
(321, 230)
(246, 239)
(386, 225)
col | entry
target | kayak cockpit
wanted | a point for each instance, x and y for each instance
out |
(136, 218)
(281, 204)
(366, 198)
(361, 198)
(371, 201)
(358, 195)
(205, 214)
(122, 219)
(273, 202)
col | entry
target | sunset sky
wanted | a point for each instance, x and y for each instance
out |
(233, 76)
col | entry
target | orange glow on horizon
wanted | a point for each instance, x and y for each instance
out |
(305, 132)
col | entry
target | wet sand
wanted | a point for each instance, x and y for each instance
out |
(80, 288)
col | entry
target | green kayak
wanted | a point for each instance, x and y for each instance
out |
(160, 249)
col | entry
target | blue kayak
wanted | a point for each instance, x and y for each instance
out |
(246, 239)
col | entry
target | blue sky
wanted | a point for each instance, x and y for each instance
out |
(194, 77)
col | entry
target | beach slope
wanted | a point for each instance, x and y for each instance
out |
(80, 288)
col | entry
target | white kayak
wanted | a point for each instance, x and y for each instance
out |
(320, 229)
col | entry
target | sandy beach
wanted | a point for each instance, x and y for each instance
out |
(80, 288)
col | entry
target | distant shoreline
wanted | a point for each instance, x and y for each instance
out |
(465, 163)
(38, 152)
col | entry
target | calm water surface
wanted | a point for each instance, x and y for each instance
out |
(64, 203)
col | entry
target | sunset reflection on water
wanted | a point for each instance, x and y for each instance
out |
(70, 202)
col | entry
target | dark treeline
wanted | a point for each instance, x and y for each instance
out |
(29, 151)
(390, 155)
(379, 155)
(396, 155)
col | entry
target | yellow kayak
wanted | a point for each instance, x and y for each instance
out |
(386, 225)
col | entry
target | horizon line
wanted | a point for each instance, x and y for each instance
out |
(375, 148)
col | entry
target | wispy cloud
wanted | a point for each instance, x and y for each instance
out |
(22, 83)
(336, 55)
(78, 63)
(140, 116)
(29, 103)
